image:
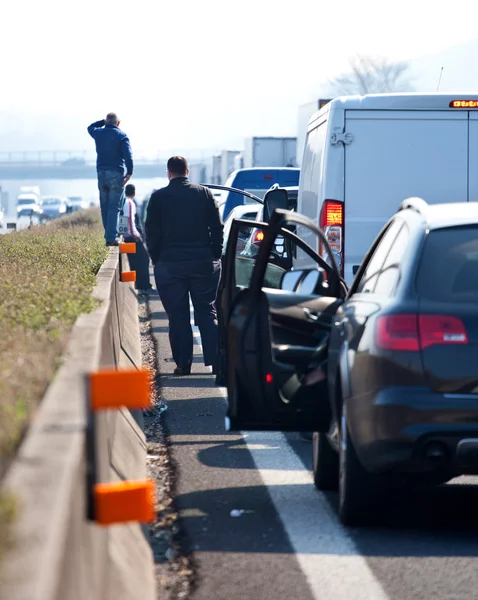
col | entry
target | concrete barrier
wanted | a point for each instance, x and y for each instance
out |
(56, 553)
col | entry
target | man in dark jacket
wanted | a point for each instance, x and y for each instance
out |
(113, 154)
(184, 235)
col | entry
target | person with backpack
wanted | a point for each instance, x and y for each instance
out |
(133, 232)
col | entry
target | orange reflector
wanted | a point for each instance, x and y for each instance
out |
(259, 236)
(332, 214)
(127, 276)
(113, 389)
(124, 501)
(128, 248)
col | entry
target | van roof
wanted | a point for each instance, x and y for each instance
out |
(398, 101)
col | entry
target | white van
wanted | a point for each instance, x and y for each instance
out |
(366, 154)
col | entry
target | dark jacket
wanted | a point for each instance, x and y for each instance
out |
(112, 148)
(183, 223)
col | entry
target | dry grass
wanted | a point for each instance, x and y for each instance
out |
(47, 274)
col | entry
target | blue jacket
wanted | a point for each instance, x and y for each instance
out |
(112, 148)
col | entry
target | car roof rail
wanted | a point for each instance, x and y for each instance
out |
(417, 204)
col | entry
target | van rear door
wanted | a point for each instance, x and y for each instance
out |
(473, 157)
(393, 155)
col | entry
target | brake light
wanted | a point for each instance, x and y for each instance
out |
(411, 333)
(397, 332)
(269, 378)
(268, 176)
(440, 329)
(332, 213)
(258, 236)
(332, 224)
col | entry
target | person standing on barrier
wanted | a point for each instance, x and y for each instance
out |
(113, 155)
(184, 236)
(138, 261)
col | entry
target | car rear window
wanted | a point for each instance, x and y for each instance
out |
(448, 270)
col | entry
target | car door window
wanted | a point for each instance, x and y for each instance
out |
(369, 278)
(390, 271)
(247, 246)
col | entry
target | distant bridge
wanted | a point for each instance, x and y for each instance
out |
(80, 164)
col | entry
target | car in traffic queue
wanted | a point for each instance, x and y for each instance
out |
(53, 207)
(77, 203)
(27, 201)
(256, 235)
(245, 211)
(256, 181)
(384, 373)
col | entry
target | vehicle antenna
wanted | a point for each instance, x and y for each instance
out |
(439, 79)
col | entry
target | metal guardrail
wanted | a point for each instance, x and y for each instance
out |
(83, 158)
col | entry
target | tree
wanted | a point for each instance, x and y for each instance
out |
(372, 75)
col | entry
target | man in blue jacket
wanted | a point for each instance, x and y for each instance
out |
(113, 154)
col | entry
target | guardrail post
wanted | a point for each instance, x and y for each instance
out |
(125, 501)
(126, 248)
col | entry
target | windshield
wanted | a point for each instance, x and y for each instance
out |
(51, 201)
(23, 201)
(76, 199)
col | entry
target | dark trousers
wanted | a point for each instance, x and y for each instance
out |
(176, 282)
(139, 262)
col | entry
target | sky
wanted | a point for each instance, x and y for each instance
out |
(194, 74)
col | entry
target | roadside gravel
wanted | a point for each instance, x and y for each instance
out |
(174, 570)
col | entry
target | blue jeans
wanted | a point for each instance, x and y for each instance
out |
(110, 184)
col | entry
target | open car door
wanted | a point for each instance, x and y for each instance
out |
(276, 330)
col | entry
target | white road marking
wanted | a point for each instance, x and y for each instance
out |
(328, 557)
(326, 554)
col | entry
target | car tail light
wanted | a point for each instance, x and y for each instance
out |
(332, 224)
(411, 332)
(441, 329)
(398, 332)
(258, 236)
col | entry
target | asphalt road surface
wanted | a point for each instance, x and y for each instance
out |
(288, 542)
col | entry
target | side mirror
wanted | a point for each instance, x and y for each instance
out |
(274, 199)
(307, 282)
(290, 280)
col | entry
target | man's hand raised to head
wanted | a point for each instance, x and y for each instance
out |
(126, 179)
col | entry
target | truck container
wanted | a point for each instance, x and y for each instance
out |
(197, 172)
(227, 163)
(239, 162)
(216, 168)
(270, 152)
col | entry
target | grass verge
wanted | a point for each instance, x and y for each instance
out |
(47, 274)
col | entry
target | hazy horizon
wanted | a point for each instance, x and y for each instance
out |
(206, 77)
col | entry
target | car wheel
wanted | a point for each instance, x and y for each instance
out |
(361, 493)
(325, 464)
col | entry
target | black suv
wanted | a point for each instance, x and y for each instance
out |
(385, 373)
